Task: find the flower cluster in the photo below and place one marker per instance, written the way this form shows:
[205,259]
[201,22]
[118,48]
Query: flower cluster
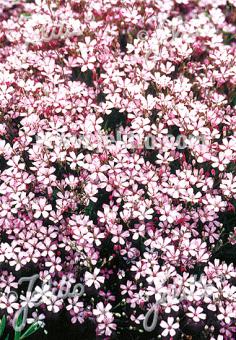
[131,224]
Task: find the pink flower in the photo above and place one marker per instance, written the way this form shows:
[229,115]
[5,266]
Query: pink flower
[169,327]
[9,303]
[196,314]
[94,279]
[107,326]
[41,208]
[222,160]
[86,60]
[102,312]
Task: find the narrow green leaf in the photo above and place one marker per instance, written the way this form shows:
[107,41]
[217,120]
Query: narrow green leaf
[17,335]
[18,323]
[31,330]
[3,325]
[7,337]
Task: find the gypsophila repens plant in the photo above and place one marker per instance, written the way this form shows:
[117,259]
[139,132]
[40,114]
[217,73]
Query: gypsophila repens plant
[148,231]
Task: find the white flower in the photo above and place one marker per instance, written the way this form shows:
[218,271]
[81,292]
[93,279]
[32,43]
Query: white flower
[102,312]
[43,294]
[196,314]
[91,279]
[169,326]
[9,303]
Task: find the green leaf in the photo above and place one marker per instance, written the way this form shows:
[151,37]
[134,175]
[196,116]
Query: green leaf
[31,330]
[89,209]
[7,337]
[27,15]
[3,325]
[18,323]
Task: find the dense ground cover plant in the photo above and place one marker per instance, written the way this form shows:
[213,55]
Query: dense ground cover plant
[138,227]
